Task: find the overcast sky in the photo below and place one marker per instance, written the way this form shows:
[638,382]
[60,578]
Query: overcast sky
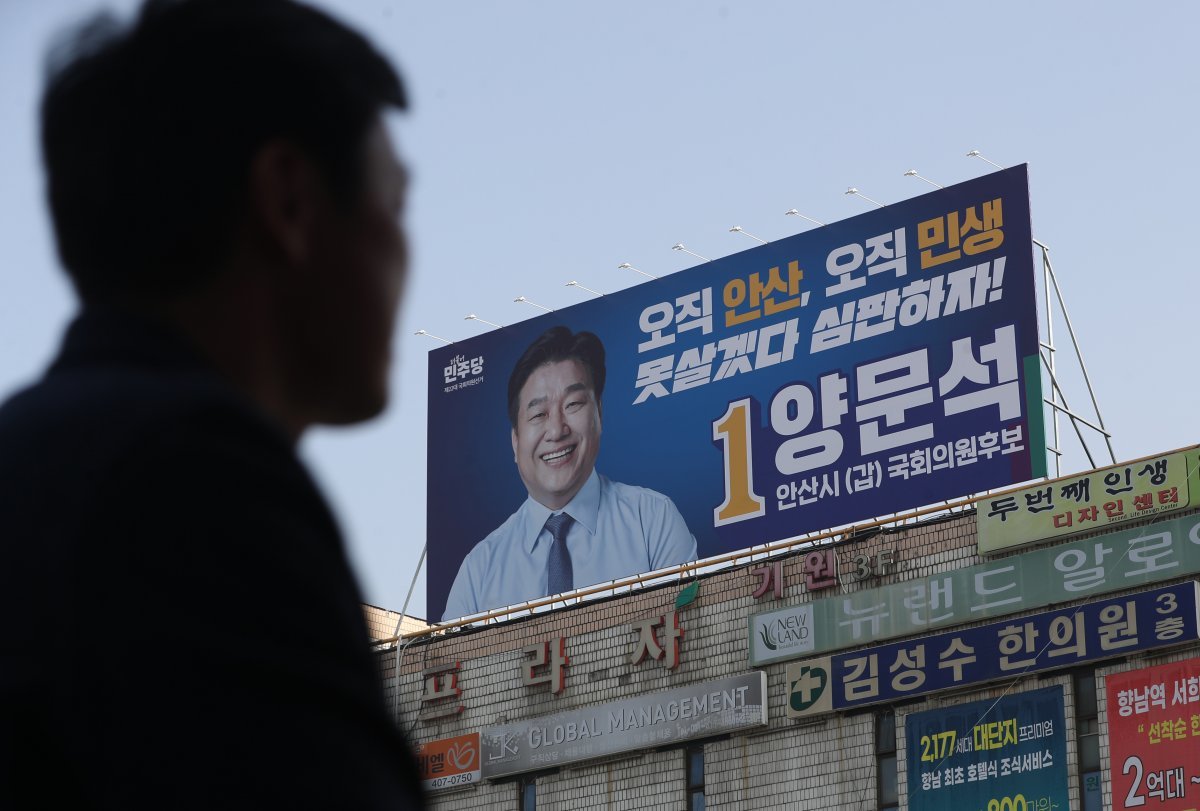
[553,141]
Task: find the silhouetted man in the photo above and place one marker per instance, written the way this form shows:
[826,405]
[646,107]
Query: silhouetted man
[179,626]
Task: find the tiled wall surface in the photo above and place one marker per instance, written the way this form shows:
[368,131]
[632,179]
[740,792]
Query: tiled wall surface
[822,764]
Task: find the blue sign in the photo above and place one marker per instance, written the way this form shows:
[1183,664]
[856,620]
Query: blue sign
[1015,647]
[1008,753]
[874,365]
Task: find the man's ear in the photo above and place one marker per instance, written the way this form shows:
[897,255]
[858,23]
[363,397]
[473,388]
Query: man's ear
[285,196]
[514,441]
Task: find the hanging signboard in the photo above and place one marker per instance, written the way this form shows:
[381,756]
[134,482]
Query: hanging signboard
[1084,503]
[657,719]
[1041,577]
[1154,736]
[449,762]
[1007,649]
[1008,753]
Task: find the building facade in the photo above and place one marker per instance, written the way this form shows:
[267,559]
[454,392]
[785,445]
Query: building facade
[892,668]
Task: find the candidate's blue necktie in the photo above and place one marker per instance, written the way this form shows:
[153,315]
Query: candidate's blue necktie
[561,575]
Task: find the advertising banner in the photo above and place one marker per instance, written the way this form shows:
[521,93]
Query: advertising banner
[1111,495]
[657,719]
[1008,753]
[1114,562]
[1007,649]
[449,762]
[1154,736]
[870,366]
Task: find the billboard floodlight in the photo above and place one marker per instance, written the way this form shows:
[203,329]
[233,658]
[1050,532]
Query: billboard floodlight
[974,153]
[627,266]
[473,317]
[791,212]
[857,193]
[913,173]
[533,304]
[574,283]
[738,229]
[678,246]
[431,335]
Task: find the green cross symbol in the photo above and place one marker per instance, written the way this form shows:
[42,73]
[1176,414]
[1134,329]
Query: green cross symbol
[808,688]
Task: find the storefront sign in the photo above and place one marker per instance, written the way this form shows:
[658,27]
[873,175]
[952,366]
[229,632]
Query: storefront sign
[1041,577]
[658,719]
[1112,495]
[449,762]
[821,571]
[1007,649]
[1008,753]
[876,364]
[1154,736]
[648,640]
[441,694]
[546,663]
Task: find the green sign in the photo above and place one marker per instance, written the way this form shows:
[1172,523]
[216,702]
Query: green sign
[1070,571]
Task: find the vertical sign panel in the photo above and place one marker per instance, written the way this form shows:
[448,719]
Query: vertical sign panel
[449,762]
[1154,736]
[1006,754]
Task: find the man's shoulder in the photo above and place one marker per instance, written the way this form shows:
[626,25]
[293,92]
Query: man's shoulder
[87,451]
[105,414]
[500,540]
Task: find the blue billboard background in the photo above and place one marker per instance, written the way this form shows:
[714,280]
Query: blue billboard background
[1009,752]
[880,363]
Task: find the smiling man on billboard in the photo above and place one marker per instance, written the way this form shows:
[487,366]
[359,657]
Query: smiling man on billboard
[577,527]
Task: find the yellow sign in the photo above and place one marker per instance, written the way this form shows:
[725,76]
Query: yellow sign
[1089,501]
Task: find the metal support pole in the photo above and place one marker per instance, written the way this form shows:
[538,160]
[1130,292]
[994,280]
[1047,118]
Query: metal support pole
[1056,392]
[1079,354]
[399,646]
[1050,363]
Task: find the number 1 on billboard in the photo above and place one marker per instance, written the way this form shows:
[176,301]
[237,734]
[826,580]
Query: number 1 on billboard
[732,430]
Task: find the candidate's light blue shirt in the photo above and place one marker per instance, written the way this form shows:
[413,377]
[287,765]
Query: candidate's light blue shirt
[619,530]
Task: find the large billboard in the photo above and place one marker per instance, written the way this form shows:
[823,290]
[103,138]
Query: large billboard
[1006,753]
[1154,736]
[870,366]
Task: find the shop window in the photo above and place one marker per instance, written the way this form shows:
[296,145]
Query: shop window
[1087,739]
[528,789]
[695,777]
[887,788]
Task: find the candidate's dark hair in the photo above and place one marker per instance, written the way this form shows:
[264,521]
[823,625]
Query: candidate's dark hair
[553,345]
[148,130]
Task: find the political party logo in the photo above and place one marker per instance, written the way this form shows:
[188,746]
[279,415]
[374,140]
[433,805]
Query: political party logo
[807,688]
[788,631]
[463,372]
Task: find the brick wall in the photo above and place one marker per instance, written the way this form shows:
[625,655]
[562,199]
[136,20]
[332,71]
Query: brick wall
[828,763]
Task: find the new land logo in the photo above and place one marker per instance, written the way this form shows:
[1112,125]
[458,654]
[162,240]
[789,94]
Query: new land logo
[784,633]
[807,688]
